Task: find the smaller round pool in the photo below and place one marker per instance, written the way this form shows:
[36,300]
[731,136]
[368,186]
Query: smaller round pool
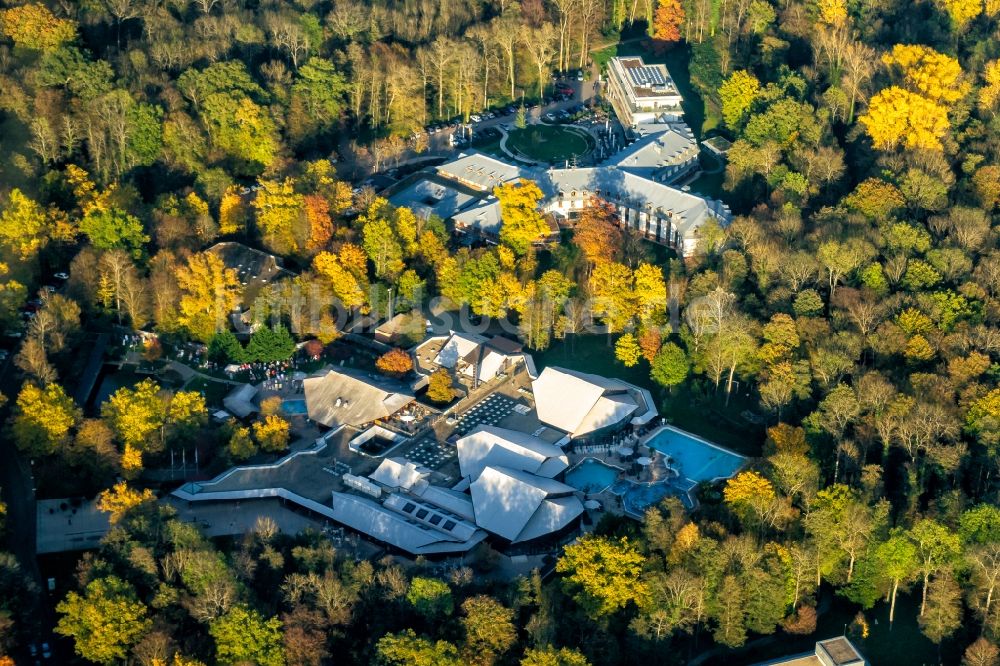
[592,476]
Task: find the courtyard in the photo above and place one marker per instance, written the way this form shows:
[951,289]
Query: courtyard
[550,143]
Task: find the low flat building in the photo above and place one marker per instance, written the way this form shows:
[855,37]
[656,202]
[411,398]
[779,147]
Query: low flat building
[641,92]
[240,400]
[837,651]
[584,405]
[475,357]
[337,398]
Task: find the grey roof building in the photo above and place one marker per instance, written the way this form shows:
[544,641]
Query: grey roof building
[336,398]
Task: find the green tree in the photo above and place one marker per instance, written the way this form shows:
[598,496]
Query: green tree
[270,344]
[937,548]
[408,649]
[431,598]
[242,635]
[670,366]
[223,347]
[489,629]
[897,559]
[317,99]
[105,621]
[114,228]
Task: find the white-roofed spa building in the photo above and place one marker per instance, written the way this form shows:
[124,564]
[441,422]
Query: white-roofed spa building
[586,406]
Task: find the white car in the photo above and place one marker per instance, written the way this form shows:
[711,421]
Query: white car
[61,276]
[475,117]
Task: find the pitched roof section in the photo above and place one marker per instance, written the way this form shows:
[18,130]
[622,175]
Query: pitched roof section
[492,446]
[399,473]
[481,171]
[520,506]
[579,403]
[338,398]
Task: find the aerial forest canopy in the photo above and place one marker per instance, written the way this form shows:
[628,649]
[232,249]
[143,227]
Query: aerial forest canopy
[841,329]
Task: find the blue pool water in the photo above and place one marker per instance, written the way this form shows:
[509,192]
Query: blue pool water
[294,406]
[694,459]
[591,476]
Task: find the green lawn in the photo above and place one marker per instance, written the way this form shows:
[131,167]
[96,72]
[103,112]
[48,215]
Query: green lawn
[549,143]
[691,406]
[214,392]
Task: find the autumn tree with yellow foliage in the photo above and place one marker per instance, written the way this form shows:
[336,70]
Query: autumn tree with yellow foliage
[522,223]
[896,116]
[934,75]
[121,499]
[209,292]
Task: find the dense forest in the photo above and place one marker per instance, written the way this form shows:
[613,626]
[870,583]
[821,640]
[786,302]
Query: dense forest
[855,298]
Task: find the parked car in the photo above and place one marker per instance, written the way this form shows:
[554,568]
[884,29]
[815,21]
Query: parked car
[3,355]
[61,276]
[46,651]
[475,117]
[579,75]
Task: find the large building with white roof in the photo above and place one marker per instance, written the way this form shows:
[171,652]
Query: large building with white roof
[491,446]
[583,405]
[641,92]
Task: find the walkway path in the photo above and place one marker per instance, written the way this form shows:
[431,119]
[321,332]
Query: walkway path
[188,373]
[93,369]
[504,135]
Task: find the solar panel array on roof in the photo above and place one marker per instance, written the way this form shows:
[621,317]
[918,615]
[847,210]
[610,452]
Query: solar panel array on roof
[646,76]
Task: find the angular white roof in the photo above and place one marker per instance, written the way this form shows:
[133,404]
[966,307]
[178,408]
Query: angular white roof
[579,403]
[399,473]
[492,446]
[520,506]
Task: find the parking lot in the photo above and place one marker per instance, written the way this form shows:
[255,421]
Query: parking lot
[569,92]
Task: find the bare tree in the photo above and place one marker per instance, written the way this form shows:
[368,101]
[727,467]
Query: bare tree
[540,43]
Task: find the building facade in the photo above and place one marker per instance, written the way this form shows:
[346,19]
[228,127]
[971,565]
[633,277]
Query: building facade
[642,93]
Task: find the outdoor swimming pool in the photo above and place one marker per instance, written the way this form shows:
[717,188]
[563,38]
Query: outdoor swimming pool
[592,476]
[695,459]
[294,406]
